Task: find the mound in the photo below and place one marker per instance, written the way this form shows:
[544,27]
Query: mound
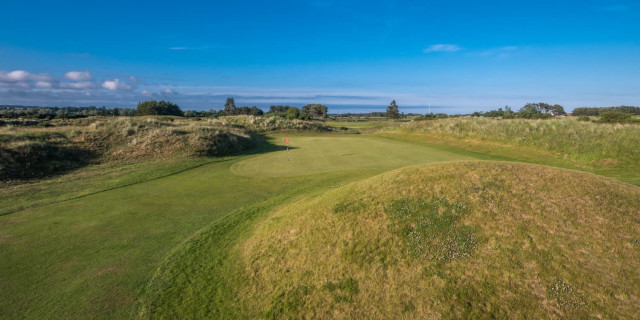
[449,240]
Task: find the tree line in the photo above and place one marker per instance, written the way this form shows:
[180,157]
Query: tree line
[309,111]
[48,113]
[594,112]
[540,110]
[154,107]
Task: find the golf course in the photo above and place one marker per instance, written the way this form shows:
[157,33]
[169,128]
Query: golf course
[390,223]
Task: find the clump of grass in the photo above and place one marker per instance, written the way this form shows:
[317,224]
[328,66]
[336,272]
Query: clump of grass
[287,303]
[431,228]
[349,206]
[343,291]
[567,297]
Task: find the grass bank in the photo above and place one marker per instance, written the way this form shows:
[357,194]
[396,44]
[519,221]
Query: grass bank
[32,152]
[91,257]
[608,149]
[455,240]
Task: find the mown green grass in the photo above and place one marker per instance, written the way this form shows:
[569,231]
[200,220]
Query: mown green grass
[90,257]
[547,243]
[90,180]
[360,125]
[308,155]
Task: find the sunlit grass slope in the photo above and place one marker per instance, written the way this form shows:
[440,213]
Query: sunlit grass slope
[451,240]
[607,149]
[90,257]
[320,154]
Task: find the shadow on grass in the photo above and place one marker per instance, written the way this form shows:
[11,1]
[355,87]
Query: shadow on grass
[37,160]
[263,145]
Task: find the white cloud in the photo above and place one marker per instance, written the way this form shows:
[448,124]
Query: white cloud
[168,91]
[78,75]
[146,93]
[178,48]
[41,77]
[44,84]
[83,85]
[22,76]
[442,48]
[116,84]
[14,76]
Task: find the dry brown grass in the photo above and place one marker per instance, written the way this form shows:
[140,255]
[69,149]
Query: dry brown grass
[34,152]
[551,243]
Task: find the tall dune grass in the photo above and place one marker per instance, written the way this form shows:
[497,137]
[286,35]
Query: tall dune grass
[585,140]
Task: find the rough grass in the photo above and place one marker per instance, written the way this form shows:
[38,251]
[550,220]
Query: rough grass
[270,124]
[607,149]
[566,136]
[547,243]
[36,152]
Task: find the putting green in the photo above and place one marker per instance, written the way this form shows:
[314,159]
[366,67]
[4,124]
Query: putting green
[312,155]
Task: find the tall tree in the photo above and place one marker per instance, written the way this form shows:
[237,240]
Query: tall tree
[314,110]
[392,111]
[230,106]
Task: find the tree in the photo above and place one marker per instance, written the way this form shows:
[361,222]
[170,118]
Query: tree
[508,113]
[153,107]
[314,110]
[230,107]
[541,110]
[392,110]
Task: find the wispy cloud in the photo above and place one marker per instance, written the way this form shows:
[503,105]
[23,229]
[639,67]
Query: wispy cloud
[78,75]
[116,84]
[442,47]
[168,92]
[22,76]
[501,52]
[197,48]
[83,85]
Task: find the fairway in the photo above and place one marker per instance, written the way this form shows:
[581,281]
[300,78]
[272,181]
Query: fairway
[313,155]
[90,257]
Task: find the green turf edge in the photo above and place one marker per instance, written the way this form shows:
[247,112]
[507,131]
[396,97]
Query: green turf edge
[219,238]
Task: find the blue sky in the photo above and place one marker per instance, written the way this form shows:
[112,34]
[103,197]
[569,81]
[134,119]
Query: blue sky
[461,56]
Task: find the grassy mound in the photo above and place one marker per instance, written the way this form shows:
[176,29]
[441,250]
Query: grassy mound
[37,151]
[452,240]
[270,124]
[582,140]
